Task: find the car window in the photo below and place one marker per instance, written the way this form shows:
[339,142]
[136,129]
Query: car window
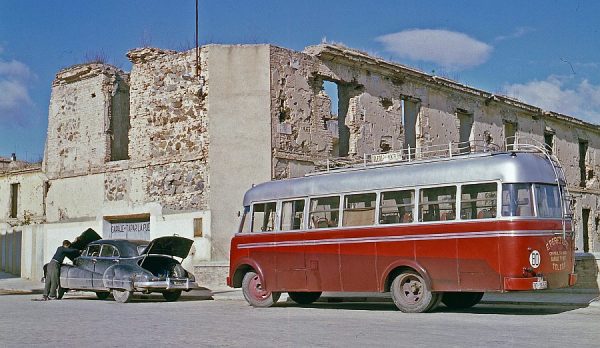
[93,250]
[109,251]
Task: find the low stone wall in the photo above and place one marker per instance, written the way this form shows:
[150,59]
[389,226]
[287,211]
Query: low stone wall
[586,267]
[212,274]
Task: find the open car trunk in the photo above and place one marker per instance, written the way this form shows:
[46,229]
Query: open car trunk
[163,266]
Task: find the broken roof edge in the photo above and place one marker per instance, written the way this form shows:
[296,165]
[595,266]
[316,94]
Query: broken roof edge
[84,71]
[326,51]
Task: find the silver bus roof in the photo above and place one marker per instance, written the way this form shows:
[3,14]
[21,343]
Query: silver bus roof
[507,167]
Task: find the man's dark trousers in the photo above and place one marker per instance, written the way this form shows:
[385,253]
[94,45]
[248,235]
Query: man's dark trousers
[52,279]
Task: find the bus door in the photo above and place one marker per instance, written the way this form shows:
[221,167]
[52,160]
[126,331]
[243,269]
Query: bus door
[322,245]
[290,270]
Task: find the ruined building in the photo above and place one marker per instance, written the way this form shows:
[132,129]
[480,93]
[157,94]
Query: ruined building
[171,147]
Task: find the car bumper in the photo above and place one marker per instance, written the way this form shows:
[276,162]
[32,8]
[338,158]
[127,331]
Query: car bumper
[167,284]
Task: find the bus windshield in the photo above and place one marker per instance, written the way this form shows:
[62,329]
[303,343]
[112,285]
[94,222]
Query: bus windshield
[547,200]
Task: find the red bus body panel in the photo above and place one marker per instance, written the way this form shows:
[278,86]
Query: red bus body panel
[491,255]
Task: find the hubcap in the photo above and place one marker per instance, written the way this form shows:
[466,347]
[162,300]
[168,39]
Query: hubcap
[256,288]
[412,290]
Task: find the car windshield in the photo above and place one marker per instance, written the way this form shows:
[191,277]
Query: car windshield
[140,248]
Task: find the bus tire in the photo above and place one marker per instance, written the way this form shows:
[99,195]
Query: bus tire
[411,293]
[461,300]
[254,292]
[304,298]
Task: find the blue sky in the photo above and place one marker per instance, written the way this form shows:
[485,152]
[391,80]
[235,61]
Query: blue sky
[546,53]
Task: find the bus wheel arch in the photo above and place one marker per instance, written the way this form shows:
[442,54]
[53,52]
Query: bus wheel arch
[395,269]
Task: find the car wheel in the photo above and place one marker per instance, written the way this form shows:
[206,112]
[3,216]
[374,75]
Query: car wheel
[254,292]
[411,294]
[461,300]
[102,295]
[122,296]
[304,298]
[171,296]
[60,292]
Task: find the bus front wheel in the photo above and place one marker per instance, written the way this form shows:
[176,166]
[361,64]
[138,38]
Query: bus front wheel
[411,293]
[304,298]
[254,292]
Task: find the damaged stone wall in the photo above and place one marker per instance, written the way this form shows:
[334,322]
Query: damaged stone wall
[169,126]
[79,119]
[306,132]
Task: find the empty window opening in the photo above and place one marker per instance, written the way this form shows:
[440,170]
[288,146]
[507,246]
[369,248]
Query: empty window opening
[410,111]
[465,121]
[583,147]
[45,196]
[585,219]
[198,232]
[14,200]
[510,132]
[549,141]
[119,121]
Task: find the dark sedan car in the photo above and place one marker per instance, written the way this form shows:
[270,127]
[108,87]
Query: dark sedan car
[125,266]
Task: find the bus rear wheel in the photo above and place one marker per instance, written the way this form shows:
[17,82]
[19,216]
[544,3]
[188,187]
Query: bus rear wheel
[461,300]
[304,298]
[411,293]
[254,292]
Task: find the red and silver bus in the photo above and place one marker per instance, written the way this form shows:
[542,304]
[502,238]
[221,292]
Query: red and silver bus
[424,229]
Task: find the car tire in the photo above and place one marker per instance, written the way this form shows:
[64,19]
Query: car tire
[304,298]
[255,294]
[172,296]
[122,296]
[60,292]
[411,293]
[102,295]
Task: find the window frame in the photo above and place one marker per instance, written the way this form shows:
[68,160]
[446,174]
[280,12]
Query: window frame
[309,212]
[343,207]
[303,222]
[275,221]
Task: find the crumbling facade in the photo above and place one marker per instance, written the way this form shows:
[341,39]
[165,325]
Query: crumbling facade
[173,146]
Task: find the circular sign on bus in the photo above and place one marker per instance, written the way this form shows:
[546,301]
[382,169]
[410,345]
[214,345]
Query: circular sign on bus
[535,258]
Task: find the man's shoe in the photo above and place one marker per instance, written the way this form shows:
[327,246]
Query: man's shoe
[51,298]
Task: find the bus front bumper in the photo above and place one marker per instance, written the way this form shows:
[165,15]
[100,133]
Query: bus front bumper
[529,283]
[532,283]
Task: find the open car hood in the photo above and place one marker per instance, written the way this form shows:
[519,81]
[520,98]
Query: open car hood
[171,245]
[85,238]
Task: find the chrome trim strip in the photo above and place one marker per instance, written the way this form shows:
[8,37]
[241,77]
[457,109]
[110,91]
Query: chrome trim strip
[413,237]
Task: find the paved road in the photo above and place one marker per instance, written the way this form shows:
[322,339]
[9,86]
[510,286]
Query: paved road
[85,321]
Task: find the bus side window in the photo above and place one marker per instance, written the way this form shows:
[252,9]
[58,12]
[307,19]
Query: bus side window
[359,209]
[263,217]
[324,212]
[478,201]
[397,207]
[292,215]
[437,204]
[516,200]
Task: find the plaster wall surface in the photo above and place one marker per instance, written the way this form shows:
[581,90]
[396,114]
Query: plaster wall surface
[240,127]
[30,197]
